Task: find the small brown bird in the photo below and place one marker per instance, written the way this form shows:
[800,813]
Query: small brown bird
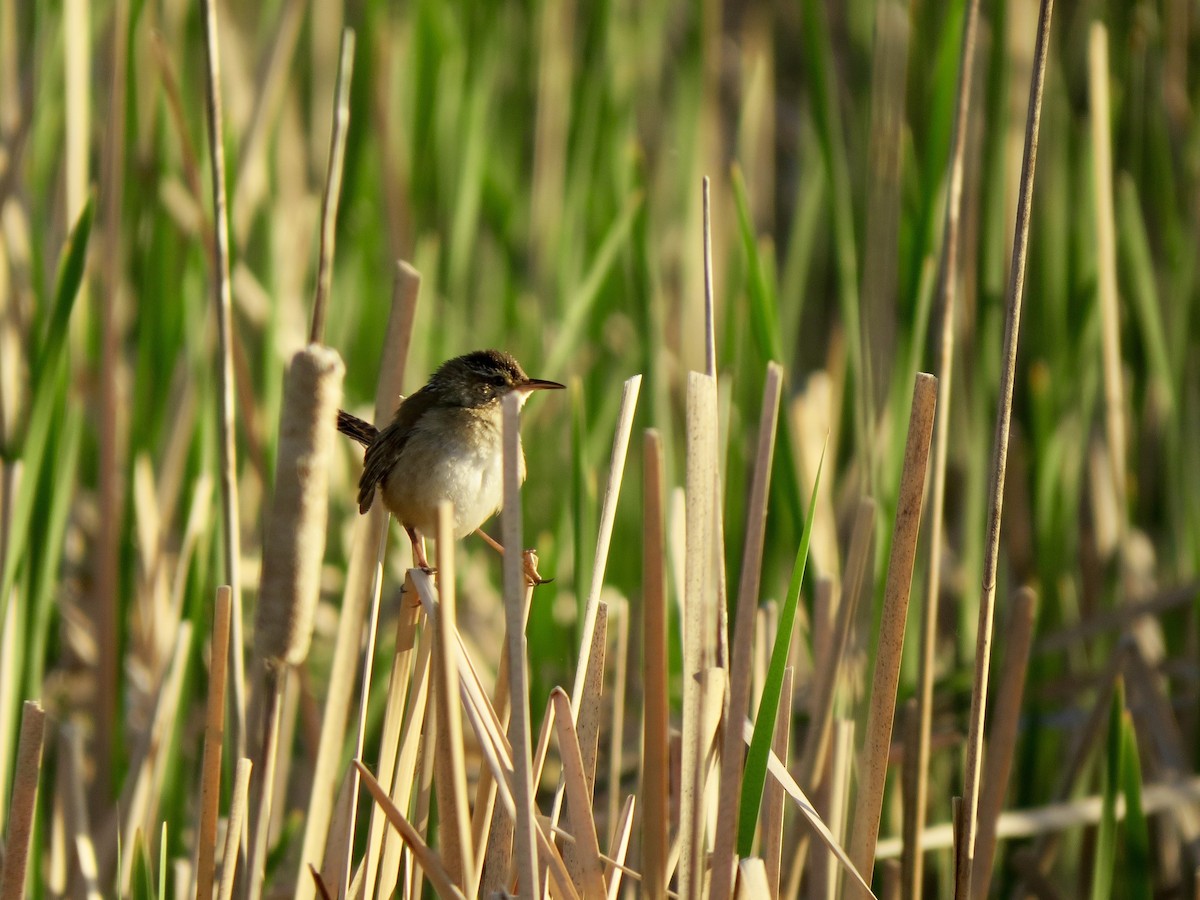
[443,444]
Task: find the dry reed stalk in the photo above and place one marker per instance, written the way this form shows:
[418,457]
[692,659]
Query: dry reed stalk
[752,882]
[214,735]
[616,751]
[732,755]
[27,770]
[816,741]
[710,324]
[592,704]
[454,830]
[907,529]
[622,832]
[333,184]
[910,722]
[780,773]
[608,512]
[1106,263]
[77,65]
[223,301]
[405,774]
[915,823]
[389,742]
[358,590]
[1054,818]
[431,863]
[699,619]
[1003,739]
[1012,325]
[424,779]
[773,794]
[113,418]
[72,762]
[584,863]
[655,774]
[238,805]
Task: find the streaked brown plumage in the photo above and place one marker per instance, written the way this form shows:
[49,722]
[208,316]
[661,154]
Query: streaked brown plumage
[444,443]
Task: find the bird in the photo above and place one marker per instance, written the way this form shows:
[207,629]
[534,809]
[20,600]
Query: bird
[444,443]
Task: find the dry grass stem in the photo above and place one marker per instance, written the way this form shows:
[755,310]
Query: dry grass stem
[364,558]
[915,823]
[223,300]
[752,880]
[214,735]
[773,793]
[780,773]
[584,864]
[741,666]
[877,741]
[655,774]
[616,754]
[450,770]
[430,862]
[238,805]
[699,618]
[333,185]
[710,318]
[1002,739]
[622,832]
[1106,263]
[28,769]
[1012,326]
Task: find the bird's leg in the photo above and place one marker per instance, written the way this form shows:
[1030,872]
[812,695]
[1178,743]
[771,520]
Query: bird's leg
[418,545]
[529,557]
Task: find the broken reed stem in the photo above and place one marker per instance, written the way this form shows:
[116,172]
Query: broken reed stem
[214,735]
[1002,740]
[333,185]
[655,747]
[587,873]
[274,684]
[710,323]
[223,300]
[907,528]
[773,795]
[1012,326]
[700,619]
[26,772]
[732,754]
[915,823]
[233,831]
[520,730]
[454,830]
[364,557]
[1106,263]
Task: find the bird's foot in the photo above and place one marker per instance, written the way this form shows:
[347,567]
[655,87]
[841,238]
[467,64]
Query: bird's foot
[532,576]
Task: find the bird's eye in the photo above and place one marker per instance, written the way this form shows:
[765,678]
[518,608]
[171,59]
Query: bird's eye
[498,380]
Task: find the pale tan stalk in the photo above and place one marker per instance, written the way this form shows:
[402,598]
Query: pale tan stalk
[877,741]
[724,857]
[223,300]
[333,184]
[616,752]
[515,614]
[214,736]
[389,743]
[439,876]
[622,832]
[454,830]
[773,794]
[991,560]
[655,774]
[752,880]
[1106,264]
[587,872]
[238,805]
[914,821]
[358,590]
[1002,740]
[19,841]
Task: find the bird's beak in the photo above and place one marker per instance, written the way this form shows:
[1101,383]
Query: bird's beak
[539,384]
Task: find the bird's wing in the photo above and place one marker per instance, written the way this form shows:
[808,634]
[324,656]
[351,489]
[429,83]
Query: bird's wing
[384,452]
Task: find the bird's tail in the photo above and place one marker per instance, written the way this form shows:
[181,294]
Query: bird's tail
[354,427]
